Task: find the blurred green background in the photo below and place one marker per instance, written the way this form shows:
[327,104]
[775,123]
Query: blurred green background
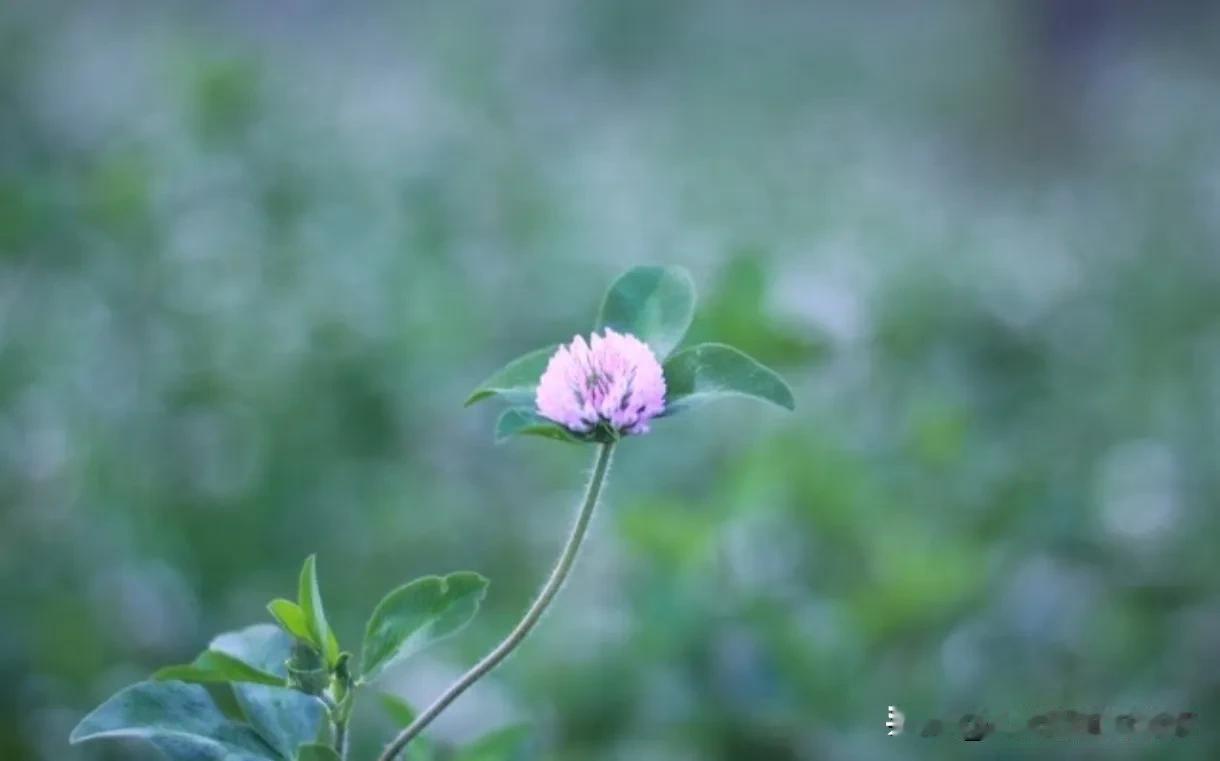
[254,255]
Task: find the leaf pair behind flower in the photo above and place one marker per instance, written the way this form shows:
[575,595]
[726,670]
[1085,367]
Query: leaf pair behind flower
[656,305]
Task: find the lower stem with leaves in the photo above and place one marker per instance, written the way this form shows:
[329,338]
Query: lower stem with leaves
[342,735]
[341,707]
[341,740]
[553,584]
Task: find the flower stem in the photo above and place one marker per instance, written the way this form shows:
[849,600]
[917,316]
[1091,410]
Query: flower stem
[522,630]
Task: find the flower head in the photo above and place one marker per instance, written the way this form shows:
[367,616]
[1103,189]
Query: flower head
[612,380]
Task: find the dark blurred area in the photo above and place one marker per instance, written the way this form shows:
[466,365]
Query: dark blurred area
[253,256]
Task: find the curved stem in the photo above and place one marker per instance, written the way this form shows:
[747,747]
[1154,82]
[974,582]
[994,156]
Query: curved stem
[519,633]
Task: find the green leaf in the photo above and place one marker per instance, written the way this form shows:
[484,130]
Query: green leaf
[654,304]
[254,654]
[284,718]
[225,700]
[712,371]
[310,600]
[517,380]
[417,614]
[508,744]
[211,666]
[291,618]
[315,752]
[181,720]
[523,421]
[343,669]
[262,646]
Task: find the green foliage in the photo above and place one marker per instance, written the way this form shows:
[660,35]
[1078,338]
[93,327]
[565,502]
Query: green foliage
[654,304]
[307,670]
[708,372]
[290,616]
[268,691]
[212,666]
[254,654]
[524,421]
[310,602]
[181,720]
[262,646]
[417,614]
[284,718]
[516,381]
